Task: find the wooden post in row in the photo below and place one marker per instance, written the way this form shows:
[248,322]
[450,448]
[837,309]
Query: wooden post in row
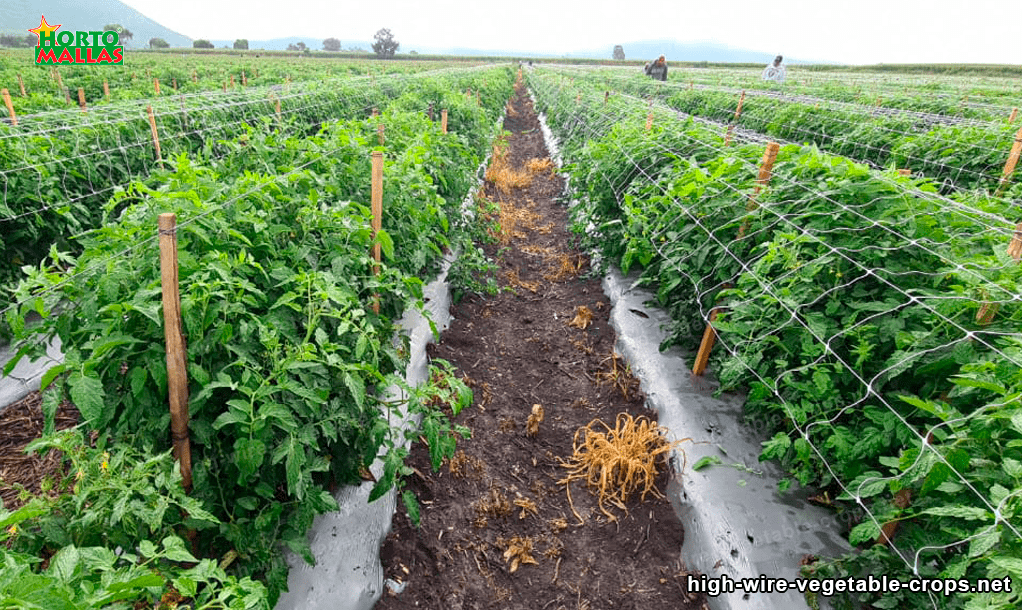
[649,117]
[244,79]
[766,167]
[81,99]
[606,97]
[10,106]
[376,203]
[156,86]
[60,81]
[21,85]
[106,89]
[232,81]
[443,121]
[195,76]
[156,134]
[1011,119]
[177,381]
[379,133]
[1009,166]
[738,114]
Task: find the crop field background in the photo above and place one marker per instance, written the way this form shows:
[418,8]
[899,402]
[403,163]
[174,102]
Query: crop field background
[861,280]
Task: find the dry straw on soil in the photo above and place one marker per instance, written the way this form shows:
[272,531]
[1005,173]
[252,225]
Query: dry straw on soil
[617,462]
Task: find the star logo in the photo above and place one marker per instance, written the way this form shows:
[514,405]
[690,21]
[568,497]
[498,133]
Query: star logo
[44,27]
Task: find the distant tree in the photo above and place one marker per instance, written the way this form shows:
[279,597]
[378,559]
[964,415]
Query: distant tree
[202,44]
[241,43]
[158,43]
[385,45]
[619,52]
[332,44]
[123,32]
[17,40]
[297,47]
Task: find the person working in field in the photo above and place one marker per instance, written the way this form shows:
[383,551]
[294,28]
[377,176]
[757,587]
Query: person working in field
[775,72]
[658,69]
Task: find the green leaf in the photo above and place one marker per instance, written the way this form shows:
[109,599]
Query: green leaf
[50,375]
[64,564]
[412,506]
[386,243]
[962,512]
[147,549]
[248,456]
[984,541]
[88,395]
[867,531]
[174,549]
[707,460]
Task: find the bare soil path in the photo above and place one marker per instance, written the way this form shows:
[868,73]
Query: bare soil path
[497,529]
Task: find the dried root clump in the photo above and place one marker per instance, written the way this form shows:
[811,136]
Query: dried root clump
[518,551]
[493,504]
[539,166]
[583,317]
[532,423]
[617,462]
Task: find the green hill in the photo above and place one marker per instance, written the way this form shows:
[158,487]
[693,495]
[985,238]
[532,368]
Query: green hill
[18,16]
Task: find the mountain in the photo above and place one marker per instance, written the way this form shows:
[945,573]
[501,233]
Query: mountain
[17,16]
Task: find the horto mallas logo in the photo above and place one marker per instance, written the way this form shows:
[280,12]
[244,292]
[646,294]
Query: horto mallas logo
[67,47]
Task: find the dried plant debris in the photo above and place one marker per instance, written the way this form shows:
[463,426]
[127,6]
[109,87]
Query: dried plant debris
[492,505]
[617,462]
[517,551]
[463,465]
[527,506]
[539,166]
[620,376]
[532,423]
[583,317]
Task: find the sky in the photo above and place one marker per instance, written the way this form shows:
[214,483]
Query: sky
[860,32]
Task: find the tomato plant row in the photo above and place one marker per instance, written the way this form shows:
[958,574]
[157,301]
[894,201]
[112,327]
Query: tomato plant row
[871,321]
[286,359]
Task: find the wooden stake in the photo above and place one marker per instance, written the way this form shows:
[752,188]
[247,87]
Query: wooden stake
[10,106]
[156,86]
[81,99]
[232,81]
[21,85]
[173,83]
[606,97]
[741,101]
[766,167]
[376,202]
[195,76]
[177,380]
[106,89]
[1015,246]
[443,121]
[649,120]
[904,172]
[379,133]
[244,79]
[429,112]
[1009,166]
[60,81]
[156,134]
[1011,119]
[709,338]
[727,136]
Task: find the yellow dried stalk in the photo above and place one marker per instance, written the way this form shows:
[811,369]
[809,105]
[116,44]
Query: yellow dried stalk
[620,376]
[532,423]
[617,462]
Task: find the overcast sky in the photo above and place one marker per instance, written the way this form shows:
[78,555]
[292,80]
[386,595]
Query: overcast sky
[863,31]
